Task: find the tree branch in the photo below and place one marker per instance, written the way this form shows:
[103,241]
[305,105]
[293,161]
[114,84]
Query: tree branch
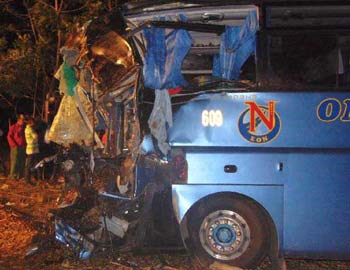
[13,13]
[46,4]
[31,22]
[7,100]
[60,8]
[77,9]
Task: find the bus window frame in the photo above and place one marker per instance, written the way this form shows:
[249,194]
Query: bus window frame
[262,59]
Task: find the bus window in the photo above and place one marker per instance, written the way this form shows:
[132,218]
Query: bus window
[304,47]
[305,60]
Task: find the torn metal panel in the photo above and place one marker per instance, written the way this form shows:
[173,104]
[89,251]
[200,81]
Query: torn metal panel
[85,75]
[115,49]
[115,225]
[69,236]
[127,82]
[111,218]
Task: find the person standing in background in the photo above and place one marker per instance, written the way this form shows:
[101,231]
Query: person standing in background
[32,149]
[17,142]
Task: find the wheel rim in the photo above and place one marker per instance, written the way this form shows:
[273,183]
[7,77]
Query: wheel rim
[224,235]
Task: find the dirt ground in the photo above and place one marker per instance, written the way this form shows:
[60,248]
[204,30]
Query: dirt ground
[24,216]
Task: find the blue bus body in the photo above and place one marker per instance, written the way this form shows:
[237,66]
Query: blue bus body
[256,163]
[300,175]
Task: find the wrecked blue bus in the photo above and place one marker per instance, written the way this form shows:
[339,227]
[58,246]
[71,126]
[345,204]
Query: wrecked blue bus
[231,137]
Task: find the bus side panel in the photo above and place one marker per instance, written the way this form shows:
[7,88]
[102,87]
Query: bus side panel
[317,205]
[269,197]
[249,166]
[316,201]
[301,120]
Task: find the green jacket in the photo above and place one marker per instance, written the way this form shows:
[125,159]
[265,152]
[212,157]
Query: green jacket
[32,140]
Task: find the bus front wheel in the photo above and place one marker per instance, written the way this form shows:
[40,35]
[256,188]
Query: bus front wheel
[228,230]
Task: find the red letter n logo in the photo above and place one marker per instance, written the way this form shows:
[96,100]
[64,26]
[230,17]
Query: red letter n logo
[268,119]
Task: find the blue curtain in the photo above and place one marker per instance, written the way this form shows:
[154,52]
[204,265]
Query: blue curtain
[164,55]
[237,44]
[166,50]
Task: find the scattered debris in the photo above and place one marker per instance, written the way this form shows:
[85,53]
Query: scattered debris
[222,266]
[17,231]
[4,186]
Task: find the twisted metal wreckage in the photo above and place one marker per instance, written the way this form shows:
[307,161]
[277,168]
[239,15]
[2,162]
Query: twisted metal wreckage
[256,144]
[100,81]
[121,182]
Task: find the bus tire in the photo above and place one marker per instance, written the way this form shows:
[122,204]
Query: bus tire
[228,230]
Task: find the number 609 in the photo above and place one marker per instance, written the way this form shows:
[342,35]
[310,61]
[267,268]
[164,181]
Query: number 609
[212,118]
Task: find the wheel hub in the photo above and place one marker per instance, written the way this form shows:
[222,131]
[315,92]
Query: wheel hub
[224,234]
